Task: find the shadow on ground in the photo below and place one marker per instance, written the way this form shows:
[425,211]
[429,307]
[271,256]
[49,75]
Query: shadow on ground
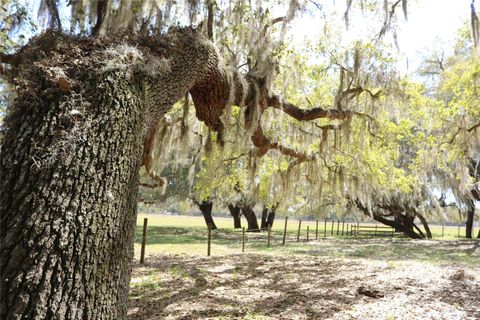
[258,286]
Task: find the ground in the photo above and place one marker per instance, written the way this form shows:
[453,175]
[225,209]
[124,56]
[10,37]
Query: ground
[324,279]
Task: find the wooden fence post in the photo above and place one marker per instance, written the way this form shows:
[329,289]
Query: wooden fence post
[376,230]
[338,228]
[325,229]
[144,240]
[316,231]
[458,233]
[298,233]
[308,231]
[209,239]
[343,227]
[285,231]
[269,234]
[243,239]
[357,229]
[331,230]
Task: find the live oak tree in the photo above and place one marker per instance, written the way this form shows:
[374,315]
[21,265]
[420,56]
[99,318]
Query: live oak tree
[76,135]
[72,151]
[87,113]
[449,157]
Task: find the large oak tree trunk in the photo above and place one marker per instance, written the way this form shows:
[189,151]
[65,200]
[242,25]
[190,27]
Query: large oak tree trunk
[69,193]
[235,212]
[470,218]
[69,166]
[425,225]
[400,222]
[270,218]
[399,225]
[263,223]
[206,209]
[249,215]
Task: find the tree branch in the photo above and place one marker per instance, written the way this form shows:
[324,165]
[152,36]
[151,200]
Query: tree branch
[150,186]
[210,19]
[52,7]
[264,144]
[473,127]
[102,8]
[8,58]
[388,19]
[306,114]
[271,23]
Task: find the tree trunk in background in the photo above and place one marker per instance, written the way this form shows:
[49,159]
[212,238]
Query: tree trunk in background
[270,218]
[263,221]
[425,225]
[235,212]
[206,209]
[249,215]
[470,217]
[68,206]
[403,221]
[400,225]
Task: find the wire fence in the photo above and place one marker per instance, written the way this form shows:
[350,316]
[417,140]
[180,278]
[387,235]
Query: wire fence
[305,231]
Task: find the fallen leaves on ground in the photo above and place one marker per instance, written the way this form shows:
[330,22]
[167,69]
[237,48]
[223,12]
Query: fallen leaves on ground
[261,286]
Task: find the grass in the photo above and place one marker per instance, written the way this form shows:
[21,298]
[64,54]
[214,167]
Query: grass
[188,235]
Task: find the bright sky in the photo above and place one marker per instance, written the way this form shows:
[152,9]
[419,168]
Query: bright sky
[431,23]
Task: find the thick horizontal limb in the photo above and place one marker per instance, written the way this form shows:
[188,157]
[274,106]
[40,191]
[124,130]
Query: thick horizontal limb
[307,114]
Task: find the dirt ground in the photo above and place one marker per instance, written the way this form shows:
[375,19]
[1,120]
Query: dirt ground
[304,286]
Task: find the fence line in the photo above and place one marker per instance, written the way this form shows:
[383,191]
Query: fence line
[352,230]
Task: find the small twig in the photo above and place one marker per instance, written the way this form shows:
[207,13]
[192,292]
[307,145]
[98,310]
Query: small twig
[473,127]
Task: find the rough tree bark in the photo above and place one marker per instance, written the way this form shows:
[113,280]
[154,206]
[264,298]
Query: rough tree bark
[249,215]
[235,212]
[72,150]
[206,209]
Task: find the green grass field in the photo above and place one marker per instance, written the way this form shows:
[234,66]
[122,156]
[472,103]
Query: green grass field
[188,235]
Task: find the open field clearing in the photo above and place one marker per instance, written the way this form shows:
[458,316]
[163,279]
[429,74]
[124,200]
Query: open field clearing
[332,278]
[184,234]
[260,286]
